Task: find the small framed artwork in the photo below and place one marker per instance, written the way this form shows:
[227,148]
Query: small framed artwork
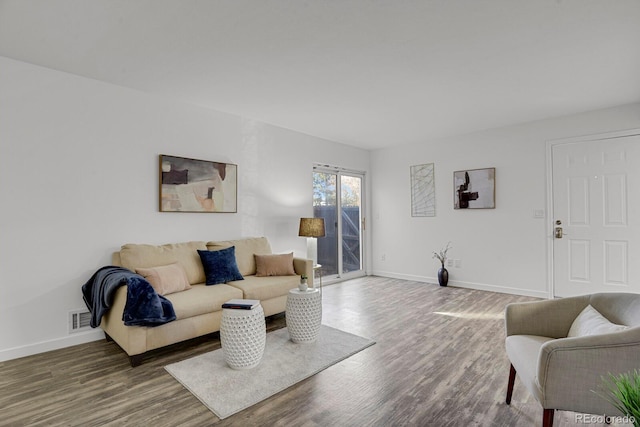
[190,185]
[423,192]
[474,189]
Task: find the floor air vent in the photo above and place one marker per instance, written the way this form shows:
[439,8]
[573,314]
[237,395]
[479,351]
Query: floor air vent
[79,320]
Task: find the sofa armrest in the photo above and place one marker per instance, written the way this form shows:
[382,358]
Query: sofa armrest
[548,318]
[571,370]
[132,339]
[304,266]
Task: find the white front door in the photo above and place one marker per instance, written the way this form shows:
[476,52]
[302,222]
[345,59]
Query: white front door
[596,216]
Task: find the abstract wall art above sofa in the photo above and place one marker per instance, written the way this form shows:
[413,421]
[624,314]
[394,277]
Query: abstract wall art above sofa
[190,185]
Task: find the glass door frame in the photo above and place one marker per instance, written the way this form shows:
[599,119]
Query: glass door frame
[339,173]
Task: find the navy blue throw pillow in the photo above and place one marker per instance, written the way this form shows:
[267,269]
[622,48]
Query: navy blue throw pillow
[220,266]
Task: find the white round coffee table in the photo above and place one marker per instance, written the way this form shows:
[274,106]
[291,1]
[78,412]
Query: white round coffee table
[304,315]
[243,335]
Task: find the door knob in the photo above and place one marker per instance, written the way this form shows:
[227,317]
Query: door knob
[559,233]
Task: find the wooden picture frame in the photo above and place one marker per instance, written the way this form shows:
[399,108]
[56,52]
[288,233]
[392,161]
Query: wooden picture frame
[192,185]
[474,189]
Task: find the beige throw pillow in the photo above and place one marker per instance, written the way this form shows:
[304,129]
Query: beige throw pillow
[166,279]
[275,265]
[591,322]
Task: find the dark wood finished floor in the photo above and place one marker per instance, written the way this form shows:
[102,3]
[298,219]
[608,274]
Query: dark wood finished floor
[439,361]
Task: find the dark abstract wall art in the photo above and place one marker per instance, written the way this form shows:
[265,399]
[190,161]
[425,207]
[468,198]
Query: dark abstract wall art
[474,189]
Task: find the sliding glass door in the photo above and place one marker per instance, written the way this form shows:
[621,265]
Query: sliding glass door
[337,197]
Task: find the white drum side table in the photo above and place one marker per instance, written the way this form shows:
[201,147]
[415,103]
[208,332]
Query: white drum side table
[243,335]
[304,315]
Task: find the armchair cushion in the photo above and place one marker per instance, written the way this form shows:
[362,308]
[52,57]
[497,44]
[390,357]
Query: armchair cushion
[591,322]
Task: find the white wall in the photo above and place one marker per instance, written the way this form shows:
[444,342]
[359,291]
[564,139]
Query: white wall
[502,249]
[79,178]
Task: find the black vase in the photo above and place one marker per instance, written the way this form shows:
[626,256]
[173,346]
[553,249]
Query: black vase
[443,276]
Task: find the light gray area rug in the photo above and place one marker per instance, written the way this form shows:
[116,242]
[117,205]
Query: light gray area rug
[226,391]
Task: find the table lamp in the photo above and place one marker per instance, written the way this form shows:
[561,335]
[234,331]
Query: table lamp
[312,228]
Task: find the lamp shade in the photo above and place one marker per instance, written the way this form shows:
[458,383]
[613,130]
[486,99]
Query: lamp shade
[311,227]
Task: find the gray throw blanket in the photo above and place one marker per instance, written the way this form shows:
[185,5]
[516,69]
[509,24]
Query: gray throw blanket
[144,306]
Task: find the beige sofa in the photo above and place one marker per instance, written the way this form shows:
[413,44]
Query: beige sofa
[198,309]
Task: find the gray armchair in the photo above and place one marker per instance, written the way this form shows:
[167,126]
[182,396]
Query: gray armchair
[562,373]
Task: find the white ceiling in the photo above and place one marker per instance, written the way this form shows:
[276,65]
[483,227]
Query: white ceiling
[369,73]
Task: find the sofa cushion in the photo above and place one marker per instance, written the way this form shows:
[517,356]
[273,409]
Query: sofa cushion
[202,299]
[245,251]
[275,265]
[166,279]
[134,256]
[220,266]
[591,322]
[264,288]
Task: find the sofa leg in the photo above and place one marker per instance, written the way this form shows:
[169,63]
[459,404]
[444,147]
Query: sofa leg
[547,417]
[107,337]
[135,360]
[512,379]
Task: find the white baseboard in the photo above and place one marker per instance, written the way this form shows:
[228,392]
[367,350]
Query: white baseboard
[55,344]
[467,285]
